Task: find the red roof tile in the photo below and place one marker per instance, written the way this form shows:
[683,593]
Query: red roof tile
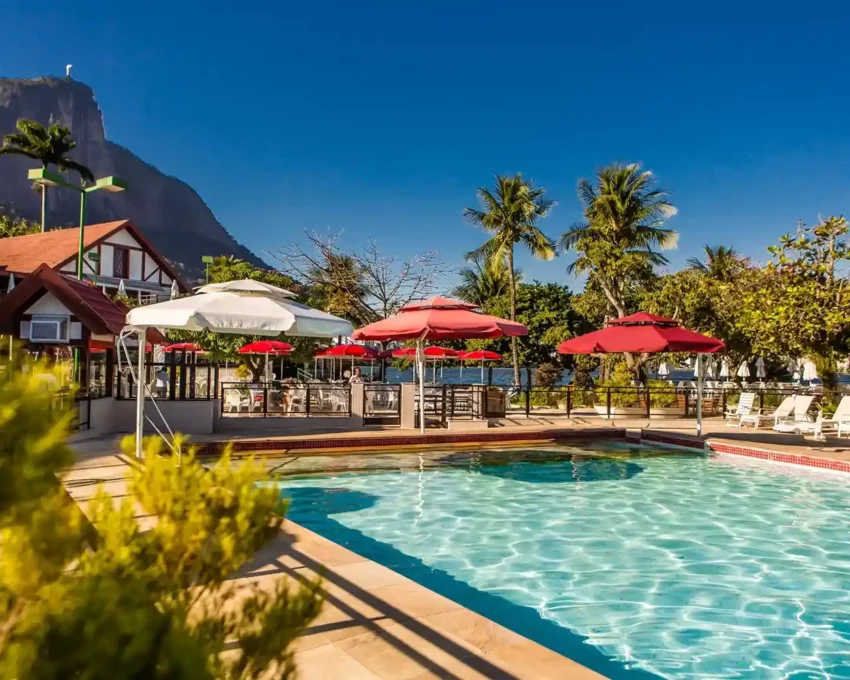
[23,254]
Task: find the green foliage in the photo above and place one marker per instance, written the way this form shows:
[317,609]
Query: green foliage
[17,226]
[721,263]
[547,375]
[546,309]
[48,145]
[624,215]
[134,601]
[799,304]
[621,376]
[483,281]
[510,215]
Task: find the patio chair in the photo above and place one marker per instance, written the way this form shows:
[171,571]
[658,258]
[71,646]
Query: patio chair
[783,411]
[801,421]
[839,421]
[296,399]
[235,400]
[743,409]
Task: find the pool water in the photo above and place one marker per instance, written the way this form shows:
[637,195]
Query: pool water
[635,562]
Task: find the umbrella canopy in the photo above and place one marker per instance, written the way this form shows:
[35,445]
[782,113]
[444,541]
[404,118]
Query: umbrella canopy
[724,369]
[183,347]
[348,350]
[275,347]
[810,372]
[641,333]
[664,369]
[437,318]
[10,286]
[761,371]
[743,370]
[245,306]
[480,355]
[175,290]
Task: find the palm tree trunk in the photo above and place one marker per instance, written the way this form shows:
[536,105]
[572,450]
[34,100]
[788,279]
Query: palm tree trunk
[514,345]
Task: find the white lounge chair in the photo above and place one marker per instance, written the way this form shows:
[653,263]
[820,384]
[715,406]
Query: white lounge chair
[744,409]
[235,400]
[840,421]
[801,420]
[783,411]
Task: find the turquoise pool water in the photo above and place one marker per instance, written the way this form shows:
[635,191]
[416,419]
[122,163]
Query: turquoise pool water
[636,564]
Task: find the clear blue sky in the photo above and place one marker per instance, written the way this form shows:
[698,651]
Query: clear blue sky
[382,118]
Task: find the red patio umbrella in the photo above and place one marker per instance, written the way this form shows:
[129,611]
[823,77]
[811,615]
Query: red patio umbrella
[347,350]
[644,333]
[481,355]
[267,347]
[437,318]
[183,347]
[433,353]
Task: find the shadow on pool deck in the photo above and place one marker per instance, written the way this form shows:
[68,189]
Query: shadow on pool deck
[313,506]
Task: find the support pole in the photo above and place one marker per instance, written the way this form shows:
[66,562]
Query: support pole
[140,396]
[699,394]
[420,359]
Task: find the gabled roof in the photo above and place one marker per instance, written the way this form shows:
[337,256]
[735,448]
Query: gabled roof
[84,300]
[23,254]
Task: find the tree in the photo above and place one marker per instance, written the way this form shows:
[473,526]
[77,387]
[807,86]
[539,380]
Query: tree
[799,304]
[133,601]
[484,280]
[363,285]
[510,214]
[624,213]
[49,146]
[546,309]
[721,263]
[16,226]
[225,346]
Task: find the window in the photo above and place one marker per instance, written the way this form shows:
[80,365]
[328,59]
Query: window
[45,328]
[120,263]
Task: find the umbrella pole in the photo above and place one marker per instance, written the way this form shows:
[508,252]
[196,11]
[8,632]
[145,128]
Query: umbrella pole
[482,371]
[699,395]
[420,359]
[140,395]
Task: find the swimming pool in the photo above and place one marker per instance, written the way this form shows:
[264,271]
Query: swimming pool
[636,562]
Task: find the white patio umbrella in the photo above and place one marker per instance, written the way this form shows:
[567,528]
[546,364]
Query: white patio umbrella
[664,369]
[761,371]
[743,370]
[810,372]
[122,289]
[11,285]
[724,369]
[243,307]
[793,366]
[175,290]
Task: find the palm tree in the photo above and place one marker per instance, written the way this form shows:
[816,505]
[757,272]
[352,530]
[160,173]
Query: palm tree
[50,146]
[484,280]
[511,214]
[624,212]
[720,262]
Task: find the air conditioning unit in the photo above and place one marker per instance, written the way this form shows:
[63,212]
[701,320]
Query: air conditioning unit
[49,329]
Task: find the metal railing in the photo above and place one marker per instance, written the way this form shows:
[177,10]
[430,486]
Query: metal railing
[267,399]
[381,404]
[175,382]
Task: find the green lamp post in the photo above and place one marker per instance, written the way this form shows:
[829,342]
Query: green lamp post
[46,178]
[207,260]
[94,258]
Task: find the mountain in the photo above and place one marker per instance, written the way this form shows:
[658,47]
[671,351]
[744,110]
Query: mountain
[170,212]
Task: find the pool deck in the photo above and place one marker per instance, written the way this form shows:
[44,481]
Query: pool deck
[377,624]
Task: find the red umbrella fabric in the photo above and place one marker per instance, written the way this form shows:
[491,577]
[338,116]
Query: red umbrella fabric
[641,333]
[431,352]
[266,347]
[439,318]
[183,346]
[480,355]
[348,351]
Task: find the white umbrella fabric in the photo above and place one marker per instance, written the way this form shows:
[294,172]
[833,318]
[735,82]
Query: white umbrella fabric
[245,307]
[664,369]
[122,289]
[743,370]
[793,366]
[810,372]
[11,285]
[724,368]
[761,371]
[175,290]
